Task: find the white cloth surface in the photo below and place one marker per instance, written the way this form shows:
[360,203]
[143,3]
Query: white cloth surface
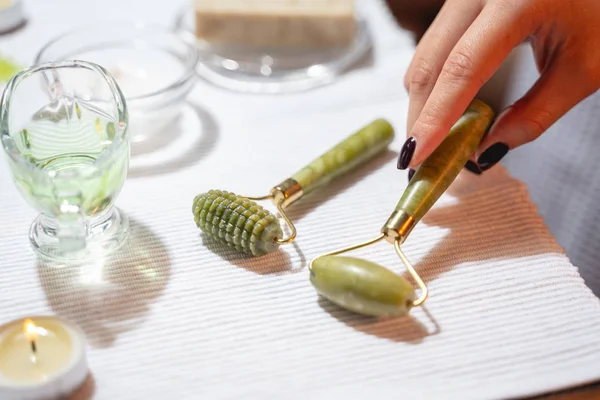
[176,316]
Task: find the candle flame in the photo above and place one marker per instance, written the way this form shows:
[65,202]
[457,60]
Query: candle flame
[30,330]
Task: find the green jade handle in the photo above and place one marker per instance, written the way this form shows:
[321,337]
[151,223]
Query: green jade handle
[348,154]
[439,170]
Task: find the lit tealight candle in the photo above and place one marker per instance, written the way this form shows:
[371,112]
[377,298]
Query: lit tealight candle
[41,358]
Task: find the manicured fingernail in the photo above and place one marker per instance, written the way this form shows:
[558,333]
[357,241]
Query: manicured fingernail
[471,166]
[411,172]
[406,154]
[492,155]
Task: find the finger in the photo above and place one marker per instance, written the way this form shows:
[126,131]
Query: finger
[551,97]
[447,28]
[477,55]
[452,15]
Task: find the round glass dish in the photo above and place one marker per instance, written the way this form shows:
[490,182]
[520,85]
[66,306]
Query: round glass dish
[153,66]
[275,70]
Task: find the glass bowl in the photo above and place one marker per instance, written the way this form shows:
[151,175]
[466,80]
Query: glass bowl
[252,69]
[154,67]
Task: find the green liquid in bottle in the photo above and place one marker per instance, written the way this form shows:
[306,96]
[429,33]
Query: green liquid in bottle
[63,142]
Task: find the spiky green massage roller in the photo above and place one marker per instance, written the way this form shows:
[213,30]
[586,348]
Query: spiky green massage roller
[371,289]
[244,225]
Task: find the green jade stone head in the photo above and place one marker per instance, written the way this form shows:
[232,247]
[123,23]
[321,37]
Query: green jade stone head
[362,286]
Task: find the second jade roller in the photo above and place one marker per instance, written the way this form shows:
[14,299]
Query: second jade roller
[244,225]
[368,288]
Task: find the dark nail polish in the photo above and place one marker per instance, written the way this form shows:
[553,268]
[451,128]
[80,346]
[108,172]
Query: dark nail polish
[408,149]
[411,172]
[474,168]
[492,155]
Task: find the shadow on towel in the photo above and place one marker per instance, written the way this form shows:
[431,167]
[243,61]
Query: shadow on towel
[106,297]
[85,391]
[275,263]
[197,144]
[471,241]
[400,329]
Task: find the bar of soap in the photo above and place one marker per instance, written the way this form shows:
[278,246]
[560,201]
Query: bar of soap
[276,23]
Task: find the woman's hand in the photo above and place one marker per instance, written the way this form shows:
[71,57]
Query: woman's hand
[467,43]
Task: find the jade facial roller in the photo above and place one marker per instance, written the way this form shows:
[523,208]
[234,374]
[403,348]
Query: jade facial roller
[244,225]
[368,288]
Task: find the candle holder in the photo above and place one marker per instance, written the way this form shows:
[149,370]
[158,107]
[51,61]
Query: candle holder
[43,357]
[63,126]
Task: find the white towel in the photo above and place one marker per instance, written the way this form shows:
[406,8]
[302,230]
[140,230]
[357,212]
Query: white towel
[175,316]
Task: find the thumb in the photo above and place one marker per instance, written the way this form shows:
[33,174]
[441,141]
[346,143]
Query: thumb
[551,97]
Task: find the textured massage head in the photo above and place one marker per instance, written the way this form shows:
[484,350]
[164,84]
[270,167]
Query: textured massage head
[238,222]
